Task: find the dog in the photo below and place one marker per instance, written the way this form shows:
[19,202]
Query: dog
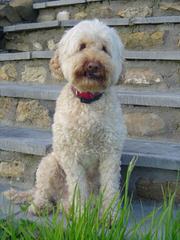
[88,128]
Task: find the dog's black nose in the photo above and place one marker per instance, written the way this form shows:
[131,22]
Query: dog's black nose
[93,67]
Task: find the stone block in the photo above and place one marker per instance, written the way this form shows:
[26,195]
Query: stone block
[80,15]
[34,74]
[131,12]
[51,44]
[9,13]
[100,11]
[8,72]
[46,15]
[142,77]
[19,168]
[143,39]
[7,108]
[33,113]
[170,6]
[37,46]
[24,9]
[144,124]
[154,189]
[11,169]
[63,15]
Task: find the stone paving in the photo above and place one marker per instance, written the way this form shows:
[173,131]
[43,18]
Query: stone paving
[140,209]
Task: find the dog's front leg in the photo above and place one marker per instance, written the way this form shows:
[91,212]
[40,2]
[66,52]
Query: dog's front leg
[109,177]
[76,180]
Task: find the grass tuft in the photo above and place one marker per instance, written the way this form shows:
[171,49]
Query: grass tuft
[90,222]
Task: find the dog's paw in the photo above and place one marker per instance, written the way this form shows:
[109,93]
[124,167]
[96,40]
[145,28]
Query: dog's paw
[40,210]
[32,210]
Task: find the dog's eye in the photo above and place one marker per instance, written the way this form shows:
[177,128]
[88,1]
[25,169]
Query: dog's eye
[82,46]
[105,49]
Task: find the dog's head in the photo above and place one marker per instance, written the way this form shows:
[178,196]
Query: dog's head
[90,56]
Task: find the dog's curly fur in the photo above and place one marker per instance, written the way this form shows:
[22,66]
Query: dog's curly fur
[87,138]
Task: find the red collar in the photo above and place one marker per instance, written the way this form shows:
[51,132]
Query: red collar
[86,97]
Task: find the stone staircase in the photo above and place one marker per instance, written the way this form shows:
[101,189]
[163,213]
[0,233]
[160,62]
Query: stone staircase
[150,93]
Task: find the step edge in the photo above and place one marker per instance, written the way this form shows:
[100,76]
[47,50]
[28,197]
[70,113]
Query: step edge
[171,55]
[108,21]
[59,3]
[17,145]
[126,97]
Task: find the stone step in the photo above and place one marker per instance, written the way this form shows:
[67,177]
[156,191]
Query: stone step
[163,155]
[127,97]
[150,114]
[81,9]
[139,210]
[129,55]
[56,3]
[152,70]
[110,22]
[160,33]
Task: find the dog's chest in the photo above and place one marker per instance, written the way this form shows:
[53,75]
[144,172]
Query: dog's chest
[82,128]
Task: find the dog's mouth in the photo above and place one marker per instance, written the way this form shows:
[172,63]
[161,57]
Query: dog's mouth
[94,76]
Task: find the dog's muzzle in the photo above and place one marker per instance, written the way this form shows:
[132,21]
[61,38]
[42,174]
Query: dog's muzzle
[94,70]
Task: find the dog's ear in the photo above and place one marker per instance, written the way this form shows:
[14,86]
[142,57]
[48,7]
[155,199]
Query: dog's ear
[122,75]
[55,67]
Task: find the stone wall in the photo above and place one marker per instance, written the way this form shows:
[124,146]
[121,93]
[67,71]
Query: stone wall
[136,37]
[149,74]
[152,122]
[26,112]
[26,71]
[108,9]
[17,11]
[17,168]
[155,122]
[149,183]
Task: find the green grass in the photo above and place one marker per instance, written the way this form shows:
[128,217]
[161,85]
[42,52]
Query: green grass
[92,223]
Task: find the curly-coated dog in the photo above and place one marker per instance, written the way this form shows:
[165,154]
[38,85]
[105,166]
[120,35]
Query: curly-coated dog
[88,129]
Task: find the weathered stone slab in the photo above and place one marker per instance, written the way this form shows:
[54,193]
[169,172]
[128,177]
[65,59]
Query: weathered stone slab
[155,20]
[153,55]
[42,92]
[69,23]
[141,55]
[147,98]
[110,22]
[31,26]
[23,140]
[41,54]
[14,56]
[163,155]
[129,97]
[60,3]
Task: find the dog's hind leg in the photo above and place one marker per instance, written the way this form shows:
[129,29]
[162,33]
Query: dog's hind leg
[50,185]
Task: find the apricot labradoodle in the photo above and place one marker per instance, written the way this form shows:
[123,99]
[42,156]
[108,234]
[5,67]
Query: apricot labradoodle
[88,129]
